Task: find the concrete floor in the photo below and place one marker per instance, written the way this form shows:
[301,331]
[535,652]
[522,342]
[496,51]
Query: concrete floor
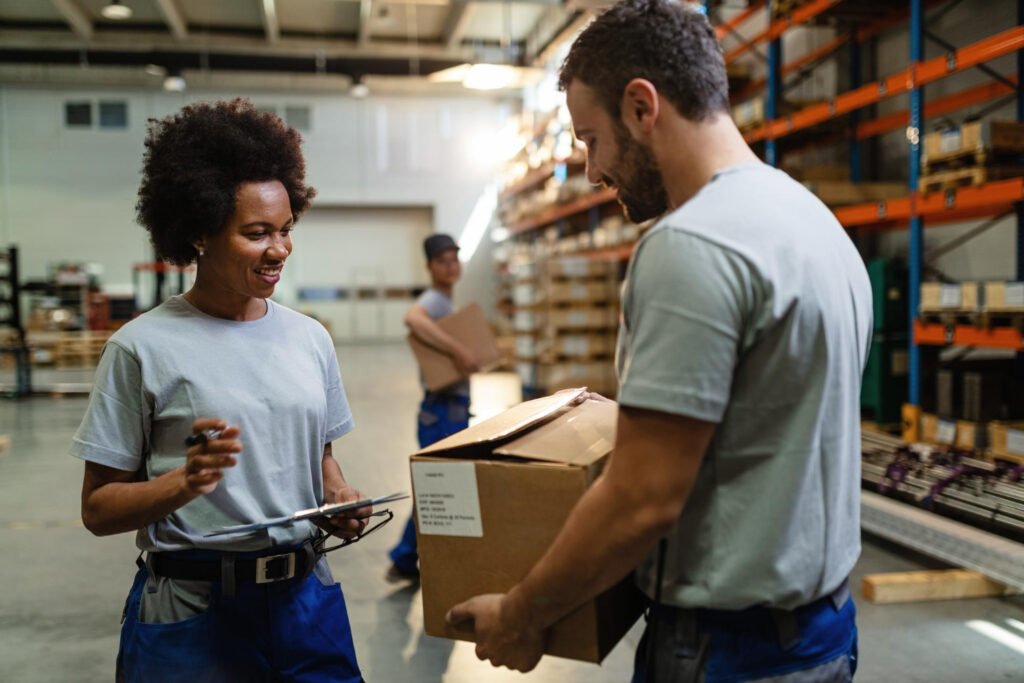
[61,590]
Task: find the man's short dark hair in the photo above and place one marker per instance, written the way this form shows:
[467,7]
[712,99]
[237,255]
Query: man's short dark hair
[662,41]
[194,163]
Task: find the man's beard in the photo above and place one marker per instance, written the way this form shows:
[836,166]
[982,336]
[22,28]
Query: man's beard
[641,190]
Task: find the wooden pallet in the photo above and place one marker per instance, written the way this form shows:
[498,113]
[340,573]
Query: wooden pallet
[967,177]
[80,349]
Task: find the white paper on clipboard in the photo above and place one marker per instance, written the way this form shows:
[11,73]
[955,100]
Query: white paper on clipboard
[327,510]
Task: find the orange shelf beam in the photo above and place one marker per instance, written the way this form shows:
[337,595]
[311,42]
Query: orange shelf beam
[897,84]
[961,204]
[723,29]
[935,334]
[555,214]
[944,105]
[621,252]
[797,17]
[825,50]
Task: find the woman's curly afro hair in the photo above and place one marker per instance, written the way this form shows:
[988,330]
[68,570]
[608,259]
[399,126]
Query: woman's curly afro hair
[196,159]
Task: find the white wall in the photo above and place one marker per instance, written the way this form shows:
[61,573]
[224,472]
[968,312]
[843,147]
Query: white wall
[70,194]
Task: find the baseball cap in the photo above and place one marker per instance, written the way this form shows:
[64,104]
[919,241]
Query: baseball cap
[435,245]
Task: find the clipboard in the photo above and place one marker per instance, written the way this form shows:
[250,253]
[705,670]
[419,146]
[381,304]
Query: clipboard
[311,513]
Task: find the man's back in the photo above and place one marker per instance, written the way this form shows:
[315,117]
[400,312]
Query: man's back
[750,307]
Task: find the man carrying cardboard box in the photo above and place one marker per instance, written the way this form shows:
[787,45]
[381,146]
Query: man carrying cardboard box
[734,481]
[444,412]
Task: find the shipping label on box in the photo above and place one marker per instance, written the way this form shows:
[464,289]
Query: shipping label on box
[1015,441]
[1014,295]
[447,499]
[950,296]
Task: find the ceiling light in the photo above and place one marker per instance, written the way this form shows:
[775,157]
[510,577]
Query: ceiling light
[116,11]
[174,82]
[155,70]
[359,89]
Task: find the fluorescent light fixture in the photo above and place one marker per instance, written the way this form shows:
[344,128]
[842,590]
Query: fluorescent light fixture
[116,11]
[454,74]
[174,82]
[488,76]
[477,223]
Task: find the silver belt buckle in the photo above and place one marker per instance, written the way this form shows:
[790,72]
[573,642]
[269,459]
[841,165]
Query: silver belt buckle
[273,568]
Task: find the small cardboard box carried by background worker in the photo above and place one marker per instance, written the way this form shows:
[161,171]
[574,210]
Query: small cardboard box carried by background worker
[492,498]
[467,325]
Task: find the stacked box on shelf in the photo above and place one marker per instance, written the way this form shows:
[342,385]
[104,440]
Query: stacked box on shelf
[581,298]
[956,298]
[973,154]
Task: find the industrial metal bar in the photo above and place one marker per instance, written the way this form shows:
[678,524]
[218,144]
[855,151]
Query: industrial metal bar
[855,143]
[1020,117]
[898,83]
[937,107]
[988,71]
[914,258]
[959,544]
[771,102]
[776,28]
[734,23]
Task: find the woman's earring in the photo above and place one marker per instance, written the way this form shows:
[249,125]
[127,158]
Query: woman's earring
[201,252]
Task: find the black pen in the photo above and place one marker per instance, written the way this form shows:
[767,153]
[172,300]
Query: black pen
[203,437]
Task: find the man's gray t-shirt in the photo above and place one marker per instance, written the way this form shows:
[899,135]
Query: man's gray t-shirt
[749,307]
[276,378]
[439,305]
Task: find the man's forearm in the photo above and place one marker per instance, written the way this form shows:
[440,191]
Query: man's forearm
[609,533]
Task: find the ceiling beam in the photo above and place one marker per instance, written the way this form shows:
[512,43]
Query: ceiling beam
[76,17]
[132,41]
[455,24]
[268,12]
[174,18]
[365,16]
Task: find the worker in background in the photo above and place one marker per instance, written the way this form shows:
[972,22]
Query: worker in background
[442,413]
[735,474]
[255,389]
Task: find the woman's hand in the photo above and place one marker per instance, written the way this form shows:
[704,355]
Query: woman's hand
[345,525]
[205,462]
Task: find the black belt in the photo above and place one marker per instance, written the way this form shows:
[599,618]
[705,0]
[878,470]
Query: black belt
[265,569]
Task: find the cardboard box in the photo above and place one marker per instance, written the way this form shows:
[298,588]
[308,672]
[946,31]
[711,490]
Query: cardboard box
[467,325]
[597,375]
[1006,440]
[597,291]
[1004,296]
[937,430]
[970,435]
[590,318]
[976,136]
[581,267]
[492,498]
[937,296]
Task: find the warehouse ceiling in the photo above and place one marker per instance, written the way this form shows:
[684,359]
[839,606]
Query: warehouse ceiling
[274,42]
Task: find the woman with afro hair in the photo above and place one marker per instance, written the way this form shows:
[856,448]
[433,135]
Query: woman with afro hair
[257,388]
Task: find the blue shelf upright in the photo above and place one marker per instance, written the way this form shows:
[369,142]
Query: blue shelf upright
[915,257]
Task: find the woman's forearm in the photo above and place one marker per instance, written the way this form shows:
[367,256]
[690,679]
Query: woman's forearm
[119,506]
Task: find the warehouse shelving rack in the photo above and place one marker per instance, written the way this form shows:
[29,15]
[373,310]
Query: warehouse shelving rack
[910,212]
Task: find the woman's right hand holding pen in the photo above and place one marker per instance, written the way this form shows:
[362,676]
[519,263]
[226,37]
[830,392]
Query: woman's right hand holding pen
[205,461]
